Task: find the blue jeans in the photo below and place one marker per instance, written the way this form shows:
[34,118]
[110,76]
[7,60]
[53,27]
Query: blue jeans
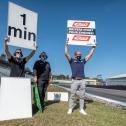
[77,87]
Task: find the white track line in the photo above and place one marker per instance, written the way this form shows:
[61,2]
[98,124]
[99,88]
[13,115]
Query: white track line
[118,103]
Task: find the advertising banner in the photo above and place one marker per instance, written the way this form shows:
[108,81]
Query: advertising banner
[81,32]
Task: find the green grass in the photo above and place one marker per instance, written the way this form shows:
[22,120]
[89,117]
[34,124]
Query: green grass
[53,88]
[56,115]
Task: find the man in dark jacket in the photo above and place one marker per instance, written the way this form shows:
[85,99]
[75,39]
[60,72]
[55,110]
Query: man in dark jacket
[42,75]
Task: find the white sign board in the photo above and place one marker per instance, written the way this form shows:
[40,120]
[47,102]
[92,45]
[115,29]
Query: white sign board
[15,98]
[81,33]
[22,27]
[57,96]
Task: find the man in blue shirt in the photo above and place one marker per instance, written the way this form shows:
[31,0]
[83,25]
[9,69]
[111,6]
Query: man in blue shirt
[78,76]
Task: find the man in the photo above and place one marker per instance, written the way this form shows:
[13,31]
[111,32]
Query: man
[17,61]
[42,75]
[78,83]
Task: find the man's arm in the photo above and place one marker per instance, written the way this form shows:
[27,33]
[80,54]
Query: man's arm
[90,53]
[66,51]
[6,48]
[35,75]
[50,75]
[30,55]
[35,72]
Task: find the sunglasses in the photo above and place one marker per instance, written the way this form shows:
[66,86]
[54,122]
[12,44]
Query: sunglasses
[43,55]
[18,52]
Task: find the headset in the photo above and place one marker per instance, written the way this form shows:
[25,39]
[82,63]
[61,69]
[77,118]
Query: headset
[21,52]
[45,55]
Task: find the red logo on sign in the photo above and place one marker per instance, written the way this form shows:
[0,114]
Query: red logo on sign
[81,38]
[81,24]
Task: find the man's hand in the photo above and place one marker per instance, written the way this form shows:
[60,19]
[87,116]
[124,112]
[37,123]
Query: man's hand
[50,81]
[66,50]
[94,46]
[35,78]
[6,39]
[66,44]
[36,47]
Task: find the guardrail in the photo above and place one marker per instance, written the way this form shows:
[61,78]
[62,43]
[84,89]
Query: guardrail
[117,87]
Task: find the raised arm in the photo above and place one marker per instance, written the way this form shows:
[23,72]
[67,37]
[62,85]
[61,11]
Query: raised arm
[6,48]
[90,53]
[30,55]
[66,51]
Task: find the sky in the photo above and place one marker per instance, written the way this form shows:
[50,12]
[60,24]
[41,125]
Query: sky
[110,18]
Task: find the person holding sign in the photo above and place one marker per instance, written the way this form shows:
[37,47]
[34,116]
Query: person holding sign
[78,84]
[42,75]
[17,61]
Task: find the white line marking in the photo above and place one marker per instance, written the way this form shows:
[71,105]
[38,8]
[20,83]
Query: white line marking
[100,98]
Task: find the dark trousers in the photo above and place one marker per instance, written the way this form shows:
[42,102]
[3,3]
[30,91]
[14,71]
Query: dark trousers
[42,87]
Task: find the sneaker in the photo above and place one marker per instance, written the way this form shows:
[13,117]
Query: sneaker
[83,112]
[69,111]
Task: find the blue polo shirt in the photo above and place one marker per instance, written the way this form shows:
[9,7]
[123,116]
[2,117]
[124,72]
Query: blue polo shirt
[77,67]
